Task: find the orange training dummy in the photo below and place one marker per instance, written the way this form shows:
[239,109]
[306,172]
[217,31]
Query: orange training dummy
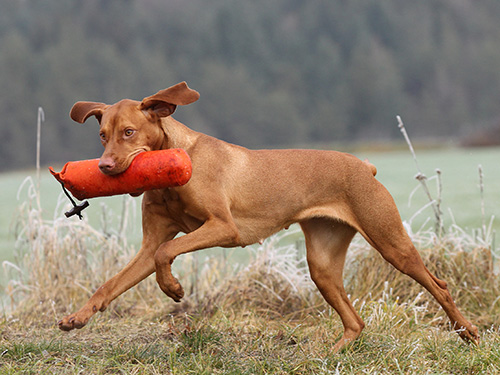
[149,170]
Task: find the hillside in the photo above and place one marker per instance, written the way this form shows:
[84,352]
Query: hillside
[270,73]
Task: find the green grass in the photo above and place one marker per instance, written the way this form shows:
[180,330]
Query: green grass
[261,317]
[246,343]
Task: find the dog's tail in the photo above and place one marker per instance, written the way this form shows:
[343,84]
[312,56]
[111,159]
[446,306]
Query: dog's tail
[371,166]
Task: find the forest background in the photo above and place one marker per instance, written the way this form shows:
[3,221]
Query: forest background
[271,73]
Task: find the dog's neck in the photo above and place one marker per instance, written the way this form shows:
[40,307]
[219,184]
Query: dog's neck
[177,135]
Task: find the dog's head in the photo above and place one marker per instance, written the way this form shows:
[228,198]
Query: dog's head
[129,127]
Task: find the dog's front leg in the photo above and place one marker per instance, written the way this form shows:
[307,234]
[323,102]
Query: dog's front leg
[214,232]
[157,229]
[138,269]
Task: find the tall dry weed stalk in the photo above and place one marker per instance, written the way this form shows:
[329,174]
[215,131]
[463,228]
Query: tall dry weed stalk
[435,203]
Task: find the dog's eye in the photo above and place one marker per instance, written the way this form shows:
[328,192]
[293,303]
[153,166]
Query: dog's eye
[102,136]
[129,132]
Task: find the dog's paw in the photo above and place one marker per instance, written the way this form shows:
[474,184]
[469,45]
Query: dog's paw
[470,334]
[173,289]
[177,292]
[71,322]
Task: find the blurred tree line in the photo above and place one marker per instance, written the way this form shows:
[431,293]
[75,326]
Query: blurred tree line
[270,73]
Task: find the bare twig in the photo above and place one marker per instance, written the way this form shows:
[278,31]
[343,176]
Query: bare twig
[422,178]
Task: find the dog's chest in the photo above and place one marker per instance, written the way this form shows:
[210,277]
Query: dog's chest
[178,211]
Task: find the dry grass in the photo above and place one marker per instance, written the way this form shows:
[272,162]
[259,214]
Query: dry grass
[262,317]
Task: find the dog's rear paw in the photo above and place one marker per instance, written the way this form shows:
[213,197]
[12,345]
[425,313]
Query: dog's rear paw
[469,335]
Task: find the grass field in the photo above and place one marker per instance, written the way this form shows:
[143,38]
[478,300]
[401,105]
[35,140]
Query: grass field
[396,170]
[261,317]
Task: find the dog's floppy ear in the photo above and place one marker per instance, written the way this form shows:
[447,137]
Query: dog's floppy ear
[164,102]
[81,111]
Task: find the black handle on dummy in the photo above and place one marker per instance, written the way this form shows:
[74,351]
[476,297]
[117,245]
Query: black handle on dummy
[77,210]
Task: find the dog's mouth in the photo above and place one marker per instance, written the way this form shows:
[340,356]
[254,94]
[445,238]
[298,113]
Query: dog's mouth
[112,167]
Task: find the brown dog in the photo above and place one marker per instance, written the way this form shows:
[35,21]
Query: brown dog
[238,197]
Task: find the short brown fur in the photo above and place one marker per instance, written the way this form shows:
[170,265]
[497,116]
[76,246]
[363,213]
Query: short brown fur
[237,197]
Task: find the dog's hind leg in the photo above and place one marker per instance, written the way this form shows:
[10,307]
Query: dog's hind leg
[379,222]
[327,241]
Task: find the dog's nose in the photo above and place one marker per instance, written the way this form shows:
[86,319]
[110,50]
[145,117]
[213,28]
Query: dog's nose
[106,165]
